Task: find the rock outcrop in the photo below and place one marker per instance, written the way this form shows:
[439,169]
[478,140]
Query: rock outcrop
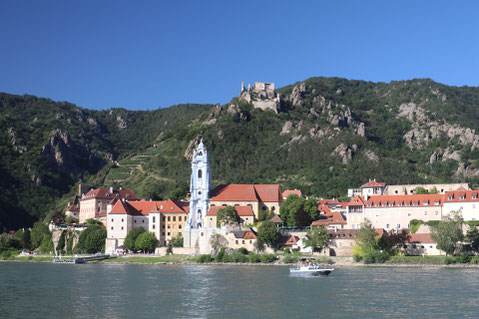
[343,152]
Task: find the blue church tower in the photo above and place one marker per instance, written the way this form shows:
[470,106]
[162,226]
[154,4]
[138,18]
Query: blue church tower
[199,188]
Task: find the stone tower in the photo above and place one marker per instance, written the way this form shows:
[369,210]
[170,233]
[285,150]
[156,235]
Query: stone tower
[199,188]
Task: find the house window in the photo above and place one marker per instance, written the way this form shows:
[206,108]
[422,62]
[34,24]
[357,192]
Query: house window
[163,218]
[153,226]
[179,226]
[387,225]
[143,221]
[122,220]
[112,220]
[163,233]
[111,227]
[399,226]
[263,208]
[179,218]
[243,241]
[425,213]
[273,208]
[135,221]
[153,218]
[168,233]
[121,227]
[168,218]
[236,242]
[169,226]
[174,218]
[436,213]
[200,173]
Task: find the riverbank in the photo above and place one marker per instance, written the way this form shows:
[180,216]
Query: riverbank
[413,262]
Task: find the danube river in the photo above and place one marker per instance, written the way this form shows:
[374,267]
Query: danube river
[43,290]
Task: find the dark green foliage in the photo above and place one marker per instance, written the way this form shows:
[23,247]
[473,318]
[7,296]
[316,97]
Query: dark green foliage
[129,242]
[46,246]
[39,231]
[177,241]
[221,254]
[316,238]
[293,211]
[243,251]
[227,216]
[146,242]
[268,233]
[472,237]
[448,233]
[92,240]
[70,244]
[61,243]
[205,258]
[375,256]
[463,258]
[25,241]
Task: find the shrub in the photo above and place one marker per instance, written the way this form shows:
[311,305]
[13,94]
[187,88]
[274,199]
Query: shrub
[449,260]
[221,254]
[357,258]
[268,258]
[243,251]
[375,256]
[205,258]
[254,258]
[287,250]
[475,260]
[288,259]
[463,258]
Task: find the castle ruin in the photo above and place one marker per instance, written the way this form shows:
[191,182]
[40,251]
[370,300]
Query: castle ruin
[262,95]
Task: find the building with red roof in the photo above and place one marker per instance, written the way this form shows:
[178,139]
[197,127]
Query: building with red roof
[396,211]
[244,212]
[73,211]
[166,219]
[465,201]
[94,204]
[330,220]
[288,192]
[258,197]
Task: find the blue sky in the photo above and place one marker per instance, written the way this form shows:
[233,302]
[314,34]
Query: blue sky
[150,54]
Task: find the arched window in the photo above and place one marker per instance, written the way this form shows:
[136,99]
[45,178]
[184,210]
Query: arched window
[199,212]
[200,153]
[200,173]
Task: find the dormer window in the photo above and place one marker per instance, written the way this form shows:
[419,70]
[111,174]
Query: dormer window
[377,205]
[450,198]
[384,205]
[107,194]
[462,197]
[127,195]
[200,153]
[400,204]
[474,197]
[391,205]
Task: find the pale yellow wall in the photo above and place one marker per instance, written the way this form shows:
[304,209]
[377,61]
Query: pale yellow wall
[172,227]
[390,217]
[254,205]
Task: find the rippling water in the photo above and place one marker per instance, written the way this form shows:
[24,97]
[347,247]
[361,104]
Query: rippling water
[39,290]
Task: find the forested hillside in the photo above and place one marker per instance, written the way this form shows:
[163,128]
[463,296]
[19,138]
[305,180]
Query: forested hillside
[329,134]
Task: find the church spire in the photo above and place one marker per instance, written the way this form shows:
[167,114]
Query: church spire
[199,187]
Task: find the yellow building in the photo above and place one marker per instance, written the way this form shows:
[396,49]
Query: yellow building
[258,197]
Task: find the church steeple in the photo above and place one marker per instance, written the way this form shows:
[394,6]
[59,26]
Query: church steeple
[199,188]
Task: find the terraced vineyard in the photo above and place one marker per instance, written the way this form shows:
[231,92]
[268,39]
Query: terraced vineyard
[127,166]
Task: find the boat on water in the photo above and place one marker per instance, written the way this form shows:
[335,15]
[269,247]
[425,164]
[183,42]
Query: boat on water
[69,261]
[310,270]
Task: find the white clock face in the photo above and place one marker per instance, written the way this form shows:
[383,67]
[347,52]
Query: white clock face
[200,165]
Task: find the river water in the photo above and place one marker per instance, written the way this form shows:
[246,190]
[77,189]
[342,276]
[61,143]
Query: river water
[43,290]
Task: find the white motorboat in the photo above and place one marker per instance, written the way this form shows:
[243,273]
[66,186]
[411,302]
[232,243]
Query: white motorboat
[310,270]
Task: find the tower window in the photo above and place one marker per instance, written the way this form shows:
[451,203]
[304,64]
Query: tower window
[200,173]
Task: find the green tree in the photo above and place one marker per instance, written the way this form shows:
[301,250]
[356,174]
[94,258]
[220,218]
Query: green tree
[268,233]
[366,238]
[472,237]
[316,238]
[39,230]
[46,246]
[393,238]
[217,241]
[420,191]
[93,221]
[227,216]
[311,207]
[25,241]
[146,242]
[292,211]
[92,239]
[265,214]
[130,239]
[448,233]
[177,241]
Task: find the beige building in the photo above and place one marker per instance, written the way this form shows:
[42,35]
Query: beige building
[440,188]
[244,212]
[166,219]
[354,214]
[258,197]
[94,204]
[396,212]
[466,202]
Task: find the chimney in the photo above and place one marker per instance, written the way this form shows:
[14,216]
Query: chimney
[121,188]
[111,189]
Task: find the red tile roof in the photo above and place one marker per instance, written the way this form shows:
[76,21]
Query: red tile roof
[296,192]
[104,193]
[247,193]
[462,196]
[289,240]
[138,208]
[241,210]
[276,219]
[421,238]
[356,201]
[373,183]
[332,218]
[382,201]
[73,208]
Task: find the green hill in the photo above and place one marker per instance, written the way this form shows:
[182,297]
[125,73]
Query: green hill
[329,134]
